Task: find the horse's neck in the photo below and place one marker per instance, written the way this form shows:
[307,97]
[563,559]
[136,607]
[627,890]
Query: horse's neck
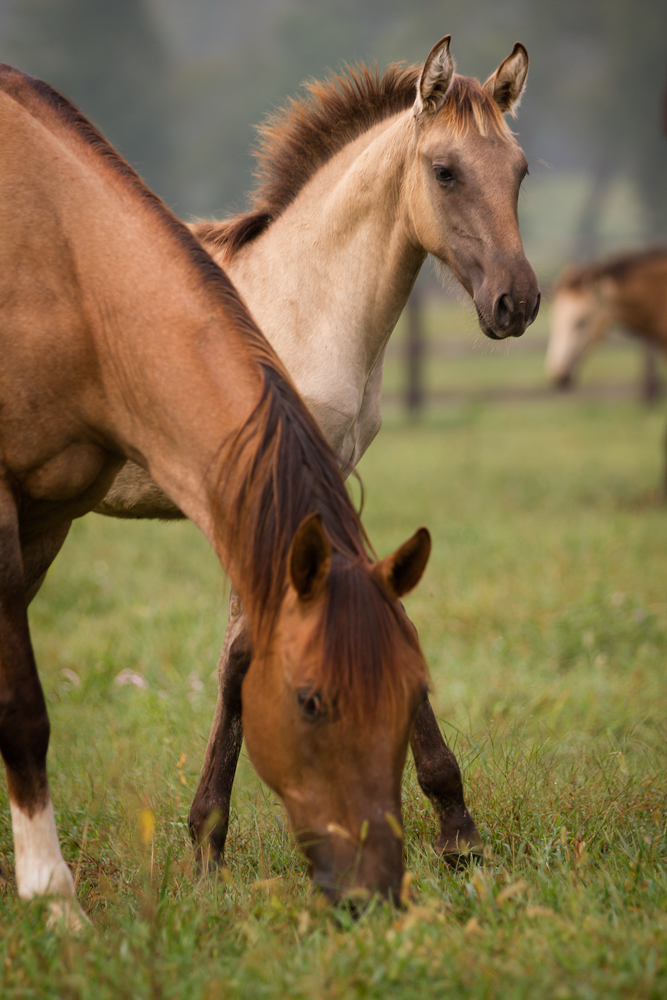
[145,357]
[176,378]
[150,353]
[329,279]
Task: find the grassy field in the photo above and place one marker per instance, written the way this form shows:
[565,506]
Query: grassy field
[543,615]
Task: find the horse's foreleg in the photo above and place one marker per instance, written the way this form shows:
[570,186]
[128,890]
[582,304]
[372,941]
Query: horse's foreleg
[439,777]
[209,815]
[38,555]
[24,732]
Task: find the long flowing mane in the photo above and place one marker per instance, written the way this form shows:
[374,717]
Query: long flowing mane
[308,131]
[288,469]
[293,473]
[618,267]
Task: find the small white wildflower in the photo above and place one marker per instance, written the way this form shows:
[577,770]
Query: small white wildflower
[131,677]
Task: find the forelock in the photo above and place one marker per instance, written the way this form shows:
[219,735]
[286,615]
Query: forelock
[469,106]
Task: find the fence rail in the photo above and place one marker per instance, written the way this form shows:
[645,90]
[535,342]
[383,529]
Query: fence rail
[413,352]
[608,391]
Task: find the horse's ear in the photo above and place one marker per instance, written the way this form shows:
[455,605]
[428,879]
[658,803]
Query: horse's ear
[604,291]
[605,287]
[506,85]
[402,570]
[310,558]
[435,78]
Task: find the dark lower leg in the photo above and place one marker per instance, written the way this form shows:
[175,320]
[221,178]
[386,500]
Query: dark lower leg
[24,726]
[209,815]
[439,777]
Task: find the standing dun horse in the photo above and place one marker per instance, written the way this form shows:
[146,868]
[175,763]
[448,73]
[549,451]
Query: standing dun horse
[357,183]
[121,338]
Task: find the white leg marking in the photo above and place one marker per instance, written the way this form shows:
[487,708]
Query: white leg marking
[40,868]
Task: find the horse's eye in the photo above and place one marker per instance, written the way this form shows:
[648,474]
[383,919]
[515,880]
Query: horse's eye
[310,703]
[442,174]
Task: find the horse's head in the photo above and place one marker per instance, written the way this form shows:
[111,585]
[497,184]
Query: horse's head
[579,316]
[465,186]
[328,708]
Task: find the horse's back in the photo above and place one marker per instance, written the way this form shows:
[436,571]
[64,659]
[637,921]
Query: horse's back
[641,289]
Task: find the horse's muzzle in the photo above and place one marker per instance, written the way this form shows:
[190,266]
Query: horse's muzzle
[350,874]
[509,318]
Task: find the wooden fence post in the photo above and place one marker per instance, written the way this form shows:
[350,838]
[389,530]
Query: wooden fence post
[414,399]
[651,384]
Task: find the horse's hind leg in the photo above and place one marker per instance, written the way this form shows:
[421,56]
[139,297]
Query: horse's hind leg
[24,734]
[209,815]
[439,777]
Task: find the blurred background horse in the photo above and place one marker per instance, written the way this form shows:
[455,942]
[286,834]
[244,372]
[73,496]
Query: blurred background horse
[627,292]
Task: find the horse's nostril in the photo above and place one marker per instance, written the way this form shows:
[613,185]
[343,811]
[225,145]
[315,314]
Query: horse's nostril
[533,315]
[504,309]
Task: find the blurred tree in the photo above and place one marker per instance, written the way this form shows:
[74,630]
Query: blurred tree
[186,120]
[106,56]
[606,65]
[238,87]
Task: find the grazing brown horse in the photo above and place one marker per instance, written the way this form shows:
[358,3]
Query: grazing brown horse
[357,182]
[121,338]
[629,291]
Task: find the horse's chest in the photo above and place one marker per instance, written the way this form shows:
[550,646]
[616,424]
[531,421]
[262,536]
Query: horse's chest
[67,474]
[349,425]
[345,401]
[66,485]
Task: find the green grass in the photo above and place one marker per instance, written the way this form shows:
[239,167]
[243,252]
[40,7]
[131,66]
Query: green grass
[544,619]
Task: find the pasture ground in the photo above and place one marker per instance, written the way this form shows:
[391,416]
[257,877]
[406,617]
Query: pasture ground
[543,615]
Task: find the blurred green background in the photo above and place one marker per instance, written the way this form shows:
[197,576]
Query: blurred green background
[178,87]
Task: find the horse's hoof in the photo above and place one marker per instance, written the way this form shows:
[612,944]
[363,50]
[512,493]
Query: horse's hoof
[208,863]
[459,843]
[65,914]
[459,861]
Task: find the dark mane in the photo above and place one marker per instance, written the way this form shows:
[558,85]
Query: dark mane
[297,140]
[293,473]
[577,278]
[290,470]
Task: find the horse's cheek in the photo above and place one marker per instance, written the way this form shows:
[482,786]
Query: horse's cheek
[261,727]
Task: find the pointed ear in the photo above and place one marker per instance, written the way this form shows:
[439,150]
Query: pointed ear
[402,570]
[603,292]
[507,83]
[604,289]
[435,78]
[309,558]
